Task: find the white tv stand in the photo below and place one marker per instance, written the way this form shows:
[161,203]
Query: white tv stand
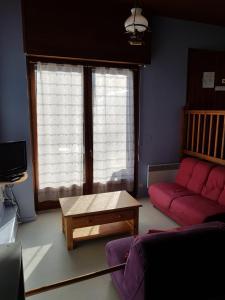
[8,214]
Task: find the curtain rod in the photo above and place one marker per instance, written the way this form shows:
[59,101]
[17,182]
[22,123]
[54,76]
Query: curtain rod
[85,62]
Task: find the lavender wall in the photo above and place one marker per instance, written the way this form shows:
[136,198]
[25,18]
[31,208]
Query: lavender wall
[163,88]
[14,105]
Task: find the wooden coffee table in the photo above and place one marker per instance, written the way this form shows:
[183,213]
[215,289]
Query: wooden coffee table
[97,215]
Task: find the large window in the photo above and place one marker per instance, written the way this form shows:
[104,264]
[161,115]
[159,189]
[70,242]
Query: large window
[84,130]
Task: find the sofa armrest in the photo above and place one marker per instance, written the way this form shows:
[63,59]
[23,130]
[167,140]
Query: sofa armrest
[134,272]
[116,253]
[161,173]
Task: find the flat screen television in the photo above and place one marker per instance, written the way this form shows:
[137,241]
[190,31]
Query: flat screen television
[13,160]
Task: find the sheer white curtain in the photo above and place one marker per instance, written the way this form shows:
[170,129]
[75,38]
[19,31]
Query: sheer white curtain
[113,129]
[59,92]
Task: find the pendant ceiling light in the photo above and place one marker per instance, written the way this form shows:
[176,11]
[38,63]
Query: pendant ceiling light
[136,26]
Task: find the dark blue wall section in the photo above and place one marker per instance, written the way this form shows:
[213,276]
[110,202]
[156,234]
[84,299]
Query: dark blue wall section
[14,104]
[163,88]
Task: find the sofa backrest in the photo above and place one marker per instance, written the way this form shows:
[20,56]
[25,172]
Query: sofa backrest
[178,264]
[199,176]
[215,185]
[185,171]
[193,174]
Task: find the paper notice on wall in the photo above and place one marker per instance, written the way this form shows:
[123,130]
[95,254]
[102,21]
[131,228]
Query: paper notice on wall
[219,88]
[208,80]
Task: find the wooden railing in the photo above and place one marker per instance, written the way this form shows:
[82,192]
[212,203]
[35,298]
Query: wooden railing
[204,134]
[73,280]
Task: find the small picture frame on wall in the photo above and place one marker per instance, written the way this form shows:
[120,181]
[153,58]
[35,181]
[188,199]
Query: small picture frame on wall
[208,80]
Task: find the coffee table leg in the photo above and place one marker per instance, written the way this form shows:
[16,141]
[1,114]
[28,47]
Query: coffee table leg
[69,232]
[135,221]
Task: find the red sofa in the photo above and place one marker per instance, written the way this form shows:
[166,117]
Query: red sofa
[196,196]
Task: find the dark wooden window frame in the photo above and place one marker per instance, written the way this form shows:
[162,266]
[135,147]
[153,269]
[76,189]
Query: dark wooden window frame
[88,118]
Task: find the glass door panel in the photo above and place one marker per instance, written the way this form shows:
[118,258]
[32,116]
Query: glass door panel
[59,96]
[113,129]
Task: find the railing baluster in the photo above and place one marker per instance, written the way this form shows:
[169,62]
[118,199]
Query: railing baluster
[203,140]
[188,129]
[198,133]
[223,134]
[193,133]
[210,133]
[216,135]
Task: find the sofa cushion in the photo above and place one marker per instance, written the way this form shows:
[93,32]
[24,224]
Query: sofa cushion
[199,176]
[221,199]
[215,184]
[185,171]
[196,209]
[162,194]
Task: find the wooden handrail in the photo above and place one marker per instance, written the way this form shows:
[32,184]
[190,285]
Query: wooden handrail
[74,280]
[202,112]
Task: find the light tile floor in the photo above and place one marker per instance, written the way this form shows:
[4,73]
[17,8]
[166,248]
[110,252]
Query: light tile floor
[46,259]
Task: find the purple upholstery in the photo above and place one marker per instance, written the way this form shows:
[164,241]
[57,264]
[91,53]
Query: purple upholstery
[116,252]
[197,196]
[174,265]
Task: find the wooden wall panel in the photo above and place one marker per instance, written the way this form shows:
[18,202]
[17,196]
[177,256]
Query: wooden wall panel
[200,61]
[92,30]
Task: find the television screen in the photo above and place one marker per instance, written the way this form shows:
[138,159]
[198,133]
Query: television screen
[13,159]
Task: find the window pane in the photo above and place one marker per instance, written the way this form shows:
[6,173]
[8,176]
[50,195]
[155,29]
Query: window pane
[113,126]
[59,90]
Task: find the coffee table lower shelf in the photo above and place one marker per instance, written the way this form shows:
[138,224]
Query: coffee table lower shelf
[92,232]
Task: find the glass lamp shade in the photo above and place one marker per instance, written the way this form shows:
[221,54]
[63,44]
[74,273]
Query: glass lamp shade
[136,22]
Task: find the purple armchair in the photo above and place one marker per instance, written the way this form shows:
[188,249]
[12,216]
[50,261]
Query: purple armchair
[179,264]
